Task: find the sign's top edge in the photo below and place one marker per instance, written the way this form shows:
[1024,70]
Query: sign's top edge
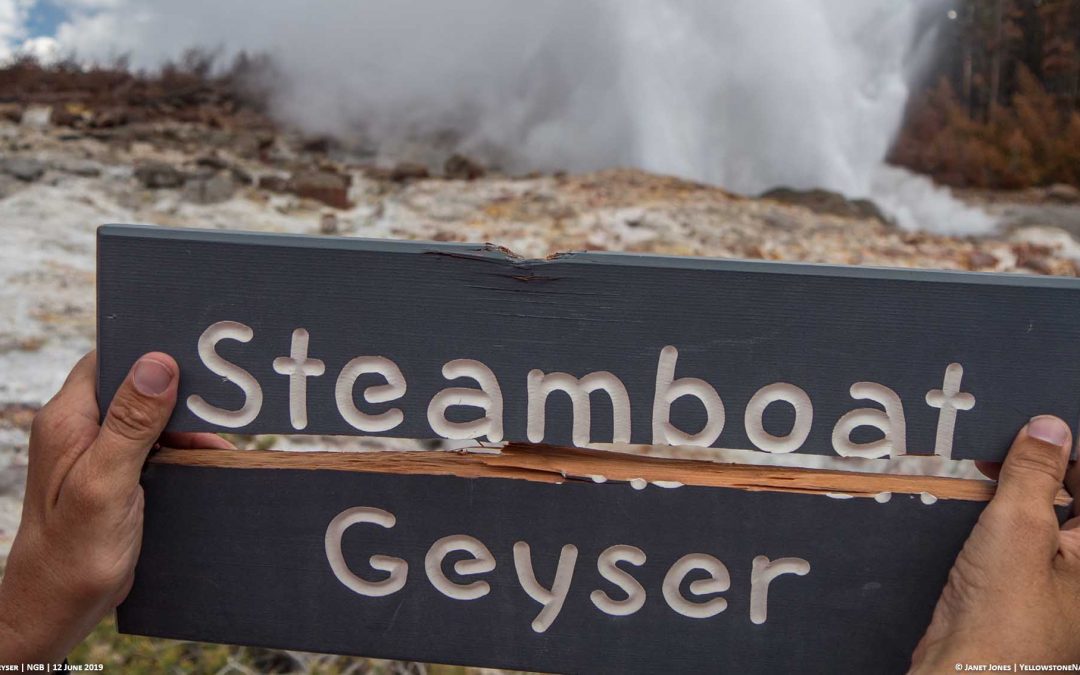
[293,240]
[494,253]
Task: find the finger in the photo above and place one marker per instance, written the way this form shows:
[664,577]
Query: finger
[135,419]
[1034,469]
[991,470]
[196,441]
[85,369]
[78,395]
[66,425]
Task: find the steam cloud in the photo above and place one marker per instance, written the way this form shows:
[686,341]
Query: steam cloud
[747,94]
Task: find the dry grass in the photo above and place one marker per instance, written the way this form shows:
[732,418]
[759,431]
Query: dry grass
[134,655]
[193,89]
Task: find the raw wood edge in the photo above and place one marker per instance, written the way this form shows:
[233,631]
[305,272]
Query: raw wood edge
[550,464]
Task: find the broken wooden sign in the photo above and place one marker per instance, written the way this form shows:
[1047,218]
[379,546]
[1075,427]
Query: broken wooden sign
[566,560]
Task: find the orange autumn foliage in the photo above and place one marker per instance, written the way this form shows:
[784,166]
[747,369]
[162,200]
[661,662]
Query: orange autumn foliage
[1030,142]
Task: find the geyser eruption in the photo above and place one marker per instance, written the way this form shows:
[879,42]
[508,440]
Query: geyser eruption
[746,94]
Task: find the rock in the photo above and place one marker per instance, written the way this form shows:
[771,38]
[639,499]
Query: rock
[12,112]
[865,208]
[250,144]
[212,189]
[460,167]
[328,223]
[781,221]
[1063,193]
[444,235]
[327,187]
[18,415]
[109,118]
[156,175]
[1040,265]
[71,115]
[1035,257]
[212,161]
[25,169]
[62,118]
[981,260]
[407,171]
[241,176]
[9,185]
[273,183]
[80,167]
[402,172]
[36,116]
[827,202]
[279,152]
[317,145]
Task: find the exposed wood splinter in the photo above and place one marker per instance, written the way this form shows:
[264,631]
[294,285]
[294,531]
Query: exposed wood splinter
[549,464]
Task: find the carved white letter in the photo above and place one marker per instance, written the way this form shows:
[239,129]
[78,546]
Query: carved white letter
[635,592]
[489,398]
[755,409]
[949,399]
[540,385]
[890,421]
[482,561]
[298,367]
[253,397]
[761,575]
[393,389]
[397,567]
[718,582]
[668,390]
[552,599]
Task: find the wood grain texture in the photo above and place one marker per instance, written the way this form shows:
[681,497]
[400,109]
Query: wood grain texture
[739,325]
[548,464]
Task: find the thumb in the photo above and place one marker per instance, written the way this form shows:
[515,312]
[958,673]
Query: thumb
[136,417]
[1034,469]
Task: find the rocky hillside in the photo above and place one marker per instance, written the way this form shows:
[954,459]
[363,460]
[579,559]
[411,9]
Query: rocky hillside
[59,181]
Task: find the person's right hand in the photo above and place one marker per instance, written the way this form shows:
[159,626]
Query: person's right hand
[74,556]
[1013,595]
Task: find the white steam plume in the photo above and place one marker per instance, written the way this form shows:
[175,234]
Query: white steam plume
[747,94]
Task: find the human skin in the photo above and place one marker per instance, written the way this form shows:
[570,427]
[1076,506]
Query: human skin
[1013,595]
[73,559]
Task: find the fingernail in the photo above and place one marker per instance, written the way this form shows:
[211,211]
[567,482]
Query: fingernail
[1048,429]
[151,377]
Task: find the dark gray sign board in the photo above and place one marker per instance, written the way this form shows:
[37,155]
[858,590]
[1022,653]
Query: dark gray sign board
[286,334]
[966,358]
[240,556]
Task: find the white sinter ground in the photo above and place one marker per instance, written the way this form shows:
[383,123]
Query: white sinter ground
[48,223]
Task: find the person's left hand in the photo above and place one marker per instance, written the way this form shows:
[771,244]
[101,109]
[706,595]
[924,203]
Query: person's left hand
[73,558]
[1012,593]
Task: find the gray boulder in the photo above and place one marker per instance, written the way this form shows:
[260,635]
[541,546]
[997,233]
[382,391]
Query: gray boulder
[25,169]
[827,202]
[212,189]
[157,175]
[1063,194]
